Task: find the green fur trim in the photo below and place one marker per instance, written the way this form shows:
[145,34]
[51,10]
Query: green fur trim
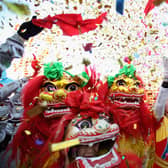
[85,75]
[53,70]
[110,80]
[128,70]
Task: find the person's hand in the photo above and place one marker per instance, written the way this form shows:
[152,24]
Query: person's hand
[165,67]
[28,29]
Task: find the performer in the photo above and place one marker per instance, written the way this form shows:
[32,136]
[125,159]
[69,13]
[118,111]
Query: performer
[160,111]
[8,111]
[44,105]
[14,45]
[126,100]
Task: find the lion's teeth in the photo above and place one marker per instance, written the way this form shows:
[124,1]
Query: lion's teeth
[90,144]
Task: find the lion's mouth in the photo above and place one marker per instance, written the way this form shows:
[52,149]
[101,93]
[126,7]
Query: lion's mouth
[96,149]
[126,100]
[54,110]
[100,154]
[91,150]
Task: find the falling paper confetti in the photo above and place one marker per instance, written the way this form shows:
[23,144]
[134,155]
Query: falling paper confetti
[143,37]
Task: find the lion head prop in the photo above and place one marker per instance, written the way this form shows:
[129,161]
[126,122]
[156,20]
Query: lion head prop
[44,105]
[126,101]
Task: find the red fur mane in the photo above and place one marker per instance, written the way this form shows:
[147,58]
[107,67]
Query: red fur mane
[31,90]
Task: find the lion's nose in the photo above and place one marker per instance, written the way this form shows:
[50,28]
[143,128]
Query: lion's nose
[60,94]
[133,89]
[102,126]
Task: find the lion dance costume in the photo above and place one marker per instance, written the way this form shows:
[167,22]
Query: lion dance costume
[43,101]
[63,107]
[126,98]
[90,123]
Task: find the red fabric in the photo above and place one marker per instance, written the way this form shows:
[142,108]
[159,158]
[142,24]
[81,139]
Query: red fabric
[161,147]
[130,160]
[35,65]
[42,129]
[30,91]
[71,24]
[133,161]
[127,118]
[90,99]
[83,103]
[94,78]
[150,5]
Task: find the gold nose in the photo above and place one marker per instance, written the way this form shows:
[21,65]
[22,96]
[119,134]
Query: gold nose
[60,94]
[134,89]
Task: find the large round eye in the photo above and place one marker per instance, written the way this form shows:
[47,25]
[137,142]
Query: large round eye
[86,123]
[72,87]
[50,88]
[137,84]
[121,82]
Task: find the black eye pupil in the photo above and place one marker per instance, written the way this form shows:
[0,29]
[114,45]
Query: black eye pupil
[137,84]
[51,88]
[84,125]
[72,87]
[121,82]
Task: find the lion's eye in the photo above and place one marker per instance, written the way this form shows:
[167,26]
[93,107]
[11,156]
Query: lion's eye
[137,84]
[121,82]
[86,123]
[50,88]
[72,87]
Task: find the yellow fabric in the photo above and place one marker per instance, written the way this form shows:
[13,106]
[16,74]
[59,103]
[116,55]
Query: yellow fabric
[64,145]
[52,159]
[132,145]
[138,147]
[162,132]
[160,162]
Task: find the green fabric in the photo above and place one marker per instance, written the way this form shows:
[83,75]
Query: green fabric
[53,70]
[85,75]
[128,70]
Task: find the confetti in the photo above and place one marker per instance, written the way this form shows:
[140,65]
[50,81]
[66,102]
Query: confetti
[143,37]
[27,132]
[39,142]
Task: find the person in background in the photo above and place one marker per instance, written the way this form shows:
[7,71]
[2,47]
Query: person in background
[12,48]
[161,115]
[10,112]
[14,45]
[166,109]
